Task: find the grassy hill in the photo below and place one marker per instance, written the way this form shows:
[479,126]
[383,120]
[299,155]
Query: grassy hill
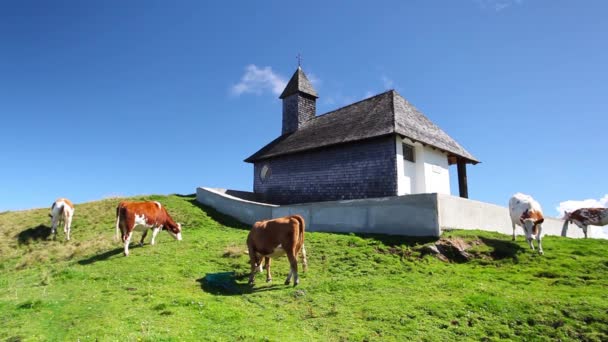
[357,288]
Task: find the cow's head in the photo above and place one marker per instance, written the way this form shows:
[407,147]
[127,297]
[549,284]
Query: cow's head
[531,225]
[176,231]
[531,221]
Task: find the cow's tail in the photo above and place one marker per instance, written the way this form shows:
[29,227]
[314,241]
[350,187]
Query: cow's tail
[61,213]
[302,225]
[300,220]
[117,236]
[64,213]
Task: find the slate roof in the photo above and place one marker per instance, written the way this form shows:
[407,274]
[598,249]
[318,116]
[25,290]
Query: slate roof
[380,115]
[298,83]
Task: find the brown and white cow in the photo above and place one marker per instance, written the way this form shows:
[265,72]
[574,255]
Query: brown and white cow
[527,213]
[62,211]
[585,217]
[272,238]
[142,216]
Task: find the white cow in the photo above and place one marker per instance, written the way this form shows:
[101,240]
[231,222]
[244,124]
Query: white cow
[62,211]
[528,214]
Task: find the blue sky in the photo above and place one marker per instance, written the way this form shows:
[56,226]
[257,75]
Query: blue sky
[112,98]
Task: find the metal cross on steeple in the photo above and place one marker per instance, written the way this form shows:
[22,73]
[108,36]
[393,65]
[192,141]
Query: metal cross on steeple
[299,58]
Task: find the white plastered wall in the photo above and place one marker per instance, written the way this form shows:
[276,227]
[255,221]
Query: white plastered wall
[429,173]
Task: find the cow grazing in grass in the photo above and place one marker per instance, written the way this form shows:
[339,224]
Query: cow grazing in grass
[585,217]
[62,212]
[527,213]
[272,238]
[142,216]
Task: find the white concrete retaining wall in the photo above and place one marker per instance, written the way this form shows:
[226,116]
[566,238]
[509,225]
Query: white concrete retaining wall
[410,215]
[413,215]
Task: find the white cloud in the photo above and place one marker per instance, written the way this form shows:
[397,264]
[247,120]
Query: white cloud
[498,5]
[258,80]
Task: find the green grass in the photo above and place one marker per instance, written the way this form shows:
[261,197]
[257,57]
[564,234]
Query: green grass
[357,288]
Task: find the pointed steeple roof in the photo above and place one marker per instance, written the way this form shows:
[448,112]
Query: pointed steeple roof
[299,83]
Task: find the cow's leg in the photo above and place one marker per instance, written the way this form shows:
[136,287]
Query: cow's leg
[118,230]
[293,269]
[538,240]
[267,265]
[529,238]
[67,226]
[143,236]
[513,238]
[127,241]
[54,223]
[155,231]
[304,259]
[253,261]
[585,230]
[60,222]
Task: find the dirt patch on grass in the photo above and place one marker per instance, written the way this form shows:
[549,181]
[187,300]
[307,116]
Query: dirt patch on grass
[233,251]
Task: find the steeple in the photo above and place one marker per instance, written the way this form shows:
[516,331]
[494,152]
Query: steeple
[299,83]
[299,102]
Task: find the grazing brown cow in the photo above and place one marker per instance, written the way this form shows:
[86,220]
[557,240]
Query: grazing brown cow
[62,211]
[273,238]
[142,216]
[584,217]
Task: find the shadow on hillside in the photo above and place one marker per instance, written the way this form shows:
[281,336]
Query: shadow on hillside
[222,219]
[185,195]
[40,232]
[502,249]
[393,240]
[105,255]
[224,284]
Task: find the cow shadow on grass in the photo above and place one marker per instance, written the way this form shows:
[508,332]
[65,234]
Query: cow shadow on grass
[225,284]
[105,255]
[502,249]
[38,233]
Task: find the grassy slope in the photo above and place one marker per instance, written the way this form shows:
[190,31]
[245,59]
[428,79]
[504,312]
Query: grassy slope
[357,287]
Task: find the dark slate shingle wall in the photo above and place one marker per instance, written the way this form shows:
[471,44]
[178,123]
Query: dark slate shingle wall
[297,110]
[362,169]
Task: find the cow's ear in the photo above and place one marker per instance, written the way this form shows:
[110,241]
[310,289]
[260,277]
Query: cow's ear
[540,221]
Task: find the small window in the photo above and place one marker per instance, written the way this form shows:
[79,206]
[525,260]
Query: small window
[265,173]
[408,153]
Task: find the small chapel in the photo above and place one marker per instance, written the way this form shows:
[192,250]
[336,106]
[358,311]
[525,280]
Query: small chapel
[378,147]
